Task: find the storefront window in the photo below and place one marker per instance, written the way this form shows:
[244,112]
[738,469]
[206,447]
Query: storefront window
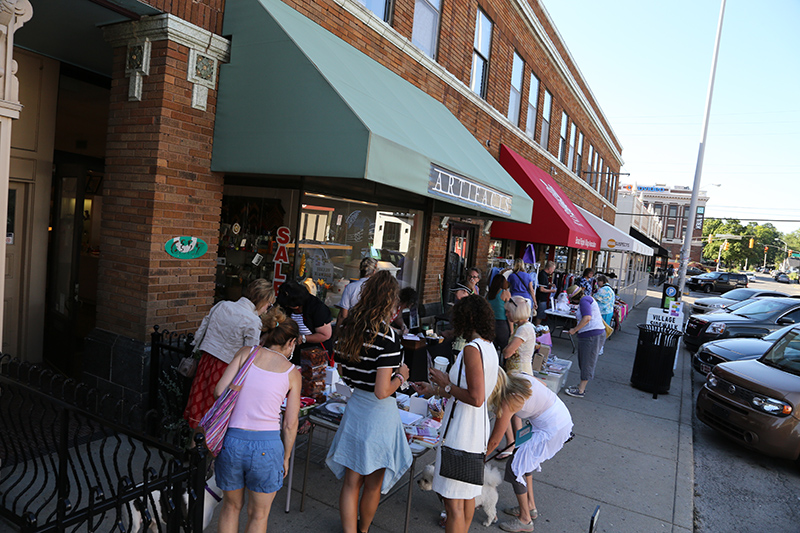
[562,254]
[333,235]
[248,242]
[336,233]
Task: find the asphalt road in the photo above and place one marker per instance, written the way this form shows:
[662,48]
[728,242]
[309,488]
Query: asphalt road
[737,490]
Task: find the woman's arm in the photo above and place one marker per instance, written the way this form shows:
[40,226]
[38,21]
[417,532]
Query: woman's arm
[474,392]
[512,347]
[500,426]
[505,295]
[385,384]
[290,417]
[230,372]
[585,319]
[321,334]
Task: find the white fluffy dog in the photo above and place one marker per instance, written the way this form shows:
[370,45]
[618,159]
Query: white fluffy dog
[487,498]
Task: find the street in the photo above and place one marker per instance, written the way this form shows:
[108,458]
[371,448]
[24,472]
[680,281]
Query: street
[737,489]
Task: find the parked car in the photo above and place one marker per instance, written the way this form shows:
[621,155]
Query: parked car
[755,402]
[759,318]
[751,276]
[694,271]
[776,273]
[737,349]
[783,278]
[717,282]
[706,305]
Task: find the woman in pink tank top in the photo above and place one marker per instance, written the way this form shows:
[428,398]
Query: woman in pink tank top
[255,453]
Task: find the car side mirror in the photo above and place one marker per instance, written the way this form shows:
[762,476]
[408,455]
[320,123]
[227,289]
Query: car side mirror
[785,321]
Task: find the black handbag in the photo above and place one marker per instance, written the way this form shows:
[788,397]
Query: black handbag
[467,467]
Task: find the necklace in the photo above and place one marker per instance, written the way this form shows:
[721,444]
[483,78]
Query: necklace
[279,353]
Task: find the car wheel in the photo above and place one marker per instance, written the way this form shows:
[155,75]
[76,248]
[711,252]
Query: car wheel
[706,288]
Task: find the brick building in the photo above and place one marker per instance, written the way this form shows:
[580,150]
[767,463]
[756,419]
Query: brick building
[671,207]
[174,125]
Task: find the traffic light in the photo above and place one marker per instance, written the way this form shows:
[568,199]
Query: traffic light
[710,237]
[789,254]
[726,246]
[751,242]
[766,249]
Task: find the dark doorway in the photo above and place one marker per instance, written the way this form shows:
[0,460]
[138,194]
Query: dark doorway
[460,256]
[72,259]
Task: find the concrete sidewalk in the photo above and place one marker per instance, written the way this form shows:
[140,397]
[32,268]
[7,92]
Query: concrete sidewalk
[631,455]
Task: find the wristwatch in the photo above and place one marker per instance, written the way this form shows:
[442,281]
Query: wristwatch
[302,339]
[447,389]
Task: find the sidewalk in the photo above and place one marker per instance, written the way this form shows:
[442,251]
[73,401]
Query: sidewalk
[631,455]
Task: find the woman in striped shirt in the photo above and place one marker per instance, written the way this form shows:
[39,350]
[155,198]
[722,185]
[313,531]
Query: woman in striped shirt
[370,448]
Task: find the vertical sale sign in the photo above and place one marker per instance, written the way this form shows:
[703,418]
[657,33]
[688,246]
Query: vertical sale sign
[281,257]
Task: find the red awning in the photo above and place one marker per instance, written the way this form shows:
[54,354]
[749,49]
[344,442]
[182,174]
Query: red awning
[555,218]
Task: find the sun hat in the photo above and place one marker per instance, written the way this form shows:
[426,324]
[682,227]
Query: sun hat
[460,287]
[573,290]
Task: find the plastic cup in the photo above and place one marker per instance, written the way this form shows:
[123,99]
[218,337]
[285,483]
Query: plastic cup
[440,363]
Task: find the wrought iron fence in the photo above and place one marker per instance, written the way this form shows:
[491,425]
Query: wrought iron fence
[72,460]
[169,389]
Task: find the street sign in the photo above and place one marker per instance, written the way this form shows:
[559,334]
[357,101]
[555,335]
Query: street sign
[727,236]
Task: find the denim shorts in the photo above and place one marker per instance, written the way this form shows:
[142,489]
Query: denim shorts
[252,459]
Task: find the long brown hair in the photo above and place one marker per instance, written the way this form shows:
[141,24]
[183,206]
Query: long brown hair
[369,316]
[278,329]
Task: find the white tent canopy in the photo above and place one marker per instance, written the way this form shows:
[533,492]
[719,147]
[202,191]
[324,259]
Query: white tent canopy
[613,239]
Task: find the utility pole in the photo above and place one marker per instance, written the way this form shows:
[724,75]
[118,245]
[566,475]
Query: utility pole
[687,238]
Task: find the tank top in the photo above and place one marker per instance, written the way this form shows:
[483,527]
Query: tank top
[499,307]
[258,407]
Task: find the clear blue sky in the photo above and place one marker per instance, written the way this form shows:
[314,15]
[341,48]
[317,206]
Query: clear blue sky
[648,65]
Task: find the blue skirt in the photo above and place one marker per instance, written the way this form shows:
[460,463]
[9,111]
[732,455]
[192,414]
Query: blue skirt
[369,438]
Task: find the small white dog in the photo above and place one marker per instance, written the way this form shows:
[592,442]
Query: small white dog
[487,498]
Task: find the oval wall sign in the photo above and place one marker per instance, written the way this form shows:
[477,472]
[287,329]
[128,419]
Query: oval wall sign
[186,247]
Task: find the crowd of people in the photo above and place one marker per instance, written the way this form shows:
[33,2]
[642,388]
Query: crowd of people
[491,372]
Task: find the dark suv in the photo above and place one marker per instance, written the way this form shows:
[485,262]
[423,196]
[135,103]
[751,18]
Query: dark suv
[717,281]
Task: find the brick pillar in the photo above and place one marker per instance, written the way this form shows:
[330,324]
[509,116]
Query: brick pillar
[158,185]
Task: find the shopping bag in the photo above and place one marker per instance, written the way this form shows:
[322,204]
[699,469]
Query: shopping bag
[214,423]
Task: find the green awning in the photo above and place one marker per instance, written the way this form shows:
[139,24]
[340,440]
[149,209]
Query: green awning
[297,100]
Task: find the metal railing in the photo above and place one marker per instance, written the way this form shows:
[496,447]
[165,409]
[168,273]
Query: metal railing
[169,390]
[72,460]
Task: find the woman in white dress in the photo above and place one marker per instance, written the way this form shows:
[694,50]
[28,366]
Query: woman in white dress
[551,426]
[471,380]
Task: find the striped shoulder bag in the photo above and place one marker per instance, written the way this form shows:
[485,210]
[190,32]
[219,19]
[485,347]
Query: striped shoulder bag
[215,422]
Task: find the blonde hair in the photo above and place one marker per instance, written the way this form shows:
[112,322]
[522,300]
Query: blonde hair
[518,308]
[519,264]
[259,292]
[511,390]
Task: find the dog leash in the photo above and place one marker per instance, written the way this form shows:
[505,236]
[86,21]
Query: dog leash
[504,450]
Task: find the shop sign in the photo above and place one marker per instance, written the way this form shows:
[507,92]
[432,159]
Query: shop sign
[618,245]
[448,185]
[582,242]
[651,189]
[282,237]
[186,247]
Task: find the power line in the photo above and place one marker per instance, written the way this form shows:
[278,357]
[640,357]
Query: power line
[710,218]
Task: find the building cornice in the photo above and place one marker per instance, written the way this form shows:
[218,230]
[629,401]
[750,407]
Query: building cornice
[167,26]
[358,10]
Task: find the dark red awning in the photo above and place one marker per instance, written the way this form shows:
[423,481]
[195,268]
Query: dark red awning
[555,218]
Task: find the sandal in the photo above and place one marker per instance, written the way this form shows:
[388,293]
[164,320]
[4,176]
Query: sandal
[514,511]
[503,455]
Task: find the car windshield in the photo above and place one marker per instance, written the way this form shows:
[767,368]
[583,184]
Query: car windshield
[760,308]
[775,335]
[739,294]
[785,354]
[709,275]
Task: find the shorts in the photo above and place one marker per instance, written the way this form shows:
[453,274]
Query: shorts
[252,459]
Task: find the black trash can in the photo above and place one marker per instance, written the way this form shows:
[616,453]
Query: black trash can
[655,356]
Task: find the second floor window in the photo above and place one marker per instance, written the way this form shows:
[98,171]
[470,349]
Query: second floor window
[533,102]
[515,97]
[670,232]
[562,140]
[425,33]
[379,7]
[572,146]
[590,162]
[546,109]
[673,210]
[580,155]
[480,54]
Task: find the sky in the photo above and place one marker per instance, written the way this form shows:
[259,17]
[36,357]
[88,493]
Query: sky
[648,65]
